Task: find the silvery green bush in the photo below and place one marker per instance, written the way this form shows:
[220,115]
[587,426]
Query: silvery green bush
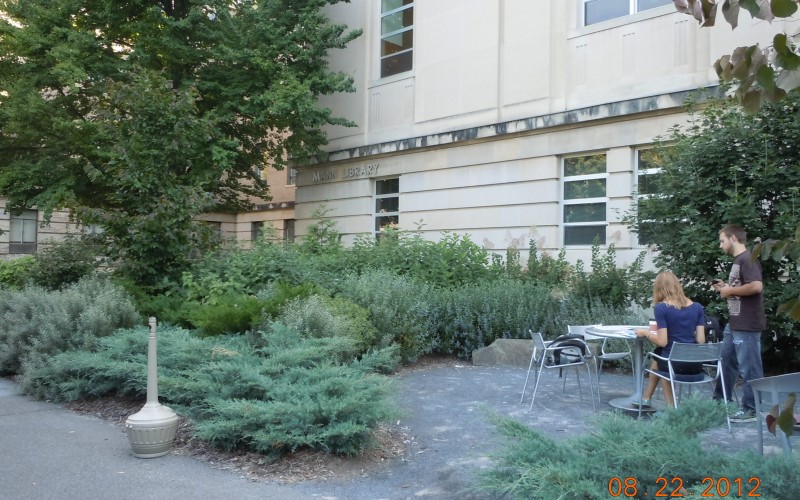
[36,323]
[272,391]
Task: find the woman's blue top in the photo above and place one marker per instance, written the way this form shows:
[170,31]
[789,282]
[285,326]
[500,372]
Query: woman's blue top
[680,323]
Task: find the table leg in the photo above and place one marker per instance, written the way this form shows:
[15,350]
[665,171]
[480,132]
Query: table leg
[627,403]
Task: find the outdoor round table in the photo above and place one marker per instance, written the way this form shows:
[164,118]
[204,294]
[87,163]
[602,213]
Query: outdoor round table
[621,332]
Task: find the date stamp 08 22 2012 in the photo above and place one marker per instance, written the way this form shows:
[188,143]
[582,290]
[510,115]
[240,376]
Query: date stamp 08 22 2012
[673,487]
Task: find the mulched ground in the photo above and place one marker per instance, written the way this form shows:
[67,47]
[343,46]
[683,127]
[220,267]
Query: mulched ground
[391,442]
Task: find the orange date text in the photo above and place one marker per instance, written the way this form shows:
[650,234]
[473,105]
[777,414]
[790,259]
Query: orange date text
[674,487]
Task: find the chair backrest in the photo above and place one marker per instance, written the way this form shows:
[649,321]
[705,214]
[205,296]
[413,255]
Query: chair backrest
[695,353]
[576,329]
[538,340]
[581,330]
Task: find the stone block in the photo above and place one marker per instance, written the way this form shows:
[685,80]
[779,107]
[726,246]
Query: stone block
[504,352]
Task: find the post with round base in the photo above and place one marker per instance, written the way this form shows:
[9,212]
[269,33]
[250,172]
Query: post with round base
[152,430]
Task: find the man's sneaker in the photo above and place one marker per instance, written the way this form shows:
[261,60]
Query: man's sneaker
[743,416]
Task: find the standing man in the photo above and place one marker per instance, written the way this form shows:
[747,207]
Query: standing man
[741,344]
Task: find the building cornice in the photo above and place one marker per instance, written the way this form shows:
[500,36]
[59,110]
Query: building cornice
[673,102]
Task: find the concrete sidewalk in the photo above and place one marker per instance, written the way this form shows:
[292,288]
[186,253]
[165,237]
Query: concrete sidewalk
[50,452]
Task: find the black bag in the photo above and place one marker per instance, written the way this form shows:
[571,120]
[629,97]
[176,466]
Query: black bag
[570,349]
[713,331]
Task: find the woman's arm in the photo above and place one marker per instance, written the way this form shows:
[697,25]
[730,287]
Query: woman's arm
[700,334]
[659,338]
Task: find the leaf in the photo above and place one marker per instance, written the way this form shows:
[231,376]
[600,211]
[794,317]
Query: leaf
[730,11]
[682,6]
[723,67]
[788,80]
[791,308]
[691,7]
[771,419]
[783,8]
[751,100]
[785,57]
[709,12]
[786,417]
[765,76]
[760,9]
[773,94]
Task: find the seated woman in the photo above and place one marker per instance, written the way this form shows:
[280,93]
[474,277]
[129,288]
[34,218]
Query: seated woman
[679,320]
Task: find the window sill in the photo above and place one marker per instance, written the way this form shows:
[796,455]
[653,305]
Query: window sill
[664,10]
[26,248]
[408,75]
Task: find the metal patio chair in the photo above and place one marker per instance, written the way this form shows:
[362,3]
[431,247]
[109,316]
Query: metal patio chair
[559,354]
[605,350]
[708,355]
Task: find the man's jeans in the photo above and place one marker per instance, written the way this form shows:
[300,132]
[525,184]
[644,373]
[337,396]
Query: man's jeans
[741,354]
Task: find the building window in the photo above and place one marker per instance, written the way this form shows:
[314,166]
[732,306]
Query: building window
[584,194]
[256,230]
[288,230]
[22,237]
[648,173]
[214,231]
[595,11]
[291,176]
[397,36]
[387,204]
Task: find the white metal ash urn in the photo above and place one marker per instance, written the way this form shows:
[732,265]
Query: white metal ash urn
[152,430]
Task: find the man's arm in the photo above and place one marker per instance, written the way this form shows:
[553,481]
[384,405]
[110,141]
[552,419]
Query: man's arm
[751,288]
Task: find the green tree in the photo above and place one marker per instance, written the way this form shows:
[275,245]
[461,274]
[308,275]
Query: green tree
[759,75]
[729,166]
[138,115]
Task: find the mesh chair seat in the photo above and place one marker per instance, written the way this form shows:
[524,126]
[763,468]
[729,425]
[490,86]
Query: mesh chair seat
[687,378]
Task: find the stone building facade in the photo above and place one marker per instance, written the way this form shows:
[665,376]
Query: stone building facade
[509,120]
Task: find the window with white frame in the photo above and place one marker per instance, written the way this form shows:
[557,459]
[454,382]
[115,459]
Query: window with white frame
[291,175]
[648,172]
[595,11]
[397,36]
[584,195]
[22,234]
[387,204]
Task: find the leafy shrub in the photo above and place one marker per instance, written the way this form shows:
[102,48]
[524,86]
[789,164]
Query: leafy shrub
[608,283]
[476,315]
[284,393]
[168,307]
[36,324]
[534,466]
[323,235]
[66,262]
[403,310]
[278,294]
[544,269]
[452,261]
[323,316]
[227,314]
[249,271]
[232,271]
[14,273]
